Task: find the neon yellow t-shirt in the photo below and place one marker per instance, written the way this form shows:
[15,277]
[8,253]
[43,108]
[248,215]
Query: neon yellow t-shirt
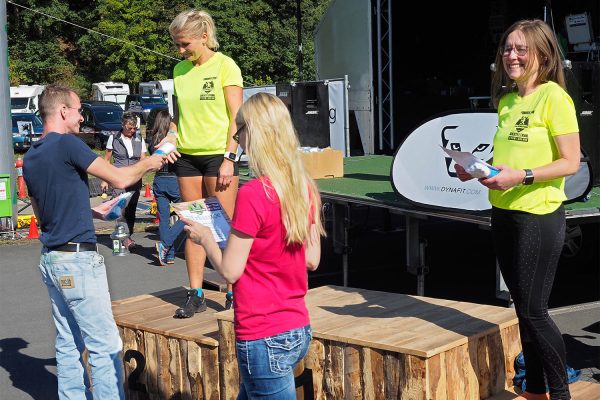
[203,115]
[525,139]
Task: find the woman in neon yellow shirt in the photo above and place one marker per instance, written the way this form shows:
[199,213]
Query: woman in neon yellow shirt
[535,147]
[208,91]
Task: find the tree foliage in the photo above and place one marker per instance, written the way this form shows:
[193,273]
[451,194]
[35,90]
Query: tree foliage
[128,40]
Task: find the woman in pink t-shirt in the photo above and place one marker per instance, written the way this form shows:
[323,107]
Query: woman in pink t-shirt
[275,237]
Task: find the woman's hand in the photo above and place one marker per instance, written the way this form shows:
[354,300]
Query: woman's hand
[198,233]
[225,174]
[505,179]
[461,174]
[104,186]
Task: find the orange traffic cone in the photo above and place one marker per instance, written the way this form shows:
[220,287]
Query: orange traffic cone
[147,195]
[21,185]
[33,229]
[20,181]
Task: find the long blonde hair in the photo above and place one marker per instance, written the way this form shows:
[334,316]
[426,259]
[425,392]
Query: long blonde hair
[272,149]
[542,45]
[194,23]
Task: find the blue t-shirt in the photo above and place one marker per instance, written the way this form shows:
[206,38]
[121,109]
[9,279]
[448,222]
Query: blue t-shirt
[54,169]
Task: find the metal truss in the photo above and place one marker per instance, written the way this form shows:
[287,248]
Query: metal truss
[385,97]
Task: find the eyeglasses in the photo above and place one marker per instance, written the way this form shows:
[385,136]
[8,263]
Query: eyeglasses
[520,50]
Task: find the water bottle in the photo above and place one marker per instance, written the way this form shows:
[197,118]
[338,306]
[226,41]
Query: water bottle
[165,149]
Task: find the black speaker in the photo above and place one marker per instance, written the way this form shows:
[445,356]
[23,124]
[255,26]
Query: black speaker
[583,84]
[308,103]
[284,92]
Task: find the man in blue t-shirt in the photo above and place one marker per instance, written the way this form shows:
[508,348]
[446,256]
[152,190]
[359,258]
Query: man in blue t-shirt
[55,170]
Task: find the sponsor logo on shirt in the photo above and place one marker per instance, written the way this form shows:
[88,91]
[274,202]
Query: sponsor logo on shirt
[208,89]
[518,135]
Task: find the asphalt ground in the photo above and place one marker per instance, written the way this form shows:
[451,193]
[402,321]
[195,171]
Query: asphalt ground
[27,363]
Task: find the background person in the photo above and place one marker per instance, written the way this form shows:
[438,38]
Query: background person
[208,91]
[535,147]
[126,148]
[56,172]
[274,239]
[166,191]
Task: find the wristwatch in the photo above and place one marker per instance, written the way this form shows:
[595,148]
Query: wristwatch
[230,156]
[528,180]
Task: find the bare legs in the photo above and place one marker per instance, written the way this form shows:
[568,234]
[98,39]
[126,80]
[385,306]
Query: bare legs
[194,188]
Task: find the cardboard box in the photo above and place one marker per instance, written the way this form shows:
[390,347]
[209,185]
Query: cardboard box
[328,163]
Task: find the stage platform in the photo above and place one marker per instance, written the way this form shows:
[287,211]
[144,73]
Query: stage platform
[367,344]
[367,182]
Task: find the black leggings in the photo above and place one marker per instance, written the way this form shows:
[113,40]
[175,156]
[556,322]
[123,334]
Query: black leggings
[528,247]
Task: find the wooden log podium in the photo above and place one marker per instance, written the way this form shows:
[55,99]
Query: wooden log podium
[366,345]
[377,345]
[165,357]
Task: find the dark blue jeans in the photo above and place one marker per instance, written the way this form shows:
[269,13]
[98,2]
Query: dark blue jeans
[267,365]
[166,191]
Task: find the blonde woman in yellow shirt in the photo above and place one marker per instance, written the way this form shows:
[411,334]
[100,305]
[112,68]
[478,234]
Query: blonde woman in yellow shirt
[208,93]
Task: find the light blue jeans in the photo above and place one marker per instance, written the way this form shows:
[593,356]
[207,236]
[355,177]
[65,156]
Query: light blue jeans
[267,365]
[82,313]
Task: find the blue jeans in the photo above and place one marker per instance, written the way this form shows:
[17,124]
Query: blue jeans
[267,365]
[82,313]
[166,191]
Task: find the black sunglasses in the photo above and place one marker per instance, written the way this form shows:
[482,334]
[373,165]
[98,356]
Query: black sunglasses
[236,135]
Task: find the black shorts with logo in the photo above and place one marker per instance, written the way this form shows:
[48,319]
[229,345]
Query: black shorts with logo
[189,165]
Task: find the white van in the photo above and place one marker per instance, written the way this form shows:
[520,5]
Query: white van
[164,87]
[24,98]
[110,91]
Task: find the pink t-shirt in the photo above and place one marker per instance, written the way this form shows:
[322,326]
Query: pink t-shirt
[269,296]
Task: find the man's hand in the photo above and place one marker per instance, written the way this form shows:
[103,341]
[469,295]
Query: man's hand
[157,161]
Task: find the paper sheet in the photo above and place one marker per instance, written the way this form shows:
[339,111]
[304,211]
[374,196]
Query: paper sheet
[208,212]
[471,163]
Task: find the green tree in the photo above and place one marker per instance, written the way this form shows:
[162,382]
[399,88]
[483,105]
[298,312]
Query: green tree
[260,35]
[41,49]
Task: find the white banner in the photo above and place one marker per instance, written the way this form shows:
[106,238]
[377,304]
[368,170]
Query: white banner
[423,173]
[337,114]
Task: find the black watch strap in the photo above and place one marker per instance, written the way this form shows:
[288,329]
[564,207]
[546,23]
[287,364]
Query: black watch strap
[528,180]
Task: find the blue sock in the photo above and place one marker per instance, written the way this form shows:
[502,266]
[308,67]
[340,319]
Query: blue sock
[199,291]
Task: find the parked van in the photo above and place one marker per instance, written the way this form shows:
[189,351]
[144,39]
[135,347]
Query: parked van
[110,91]
[164,87]
[24,98]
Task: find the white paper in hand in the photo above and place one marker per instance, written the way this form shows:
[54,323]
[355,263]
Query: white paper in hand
[112,209]
[208,212]
[474,166]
